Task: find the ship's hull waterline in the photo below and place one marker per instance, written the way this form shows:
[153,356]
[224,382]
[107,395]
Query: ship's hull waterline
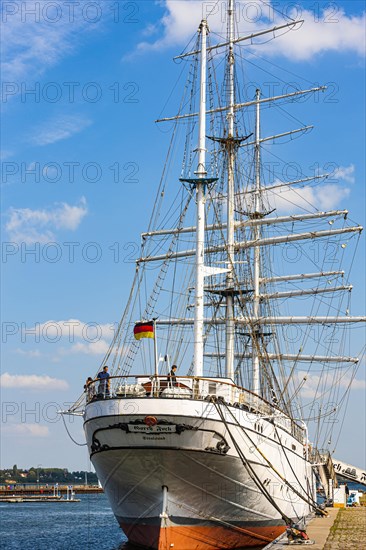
[181,484]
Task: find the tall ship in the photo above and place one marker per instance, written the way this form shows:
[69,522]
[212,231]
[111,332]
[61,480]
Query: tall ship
[240,286]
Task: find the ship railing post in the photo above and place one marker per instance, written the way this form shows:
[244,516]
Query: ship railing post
[156,357]
[196,388]
[155,386]
[233,394]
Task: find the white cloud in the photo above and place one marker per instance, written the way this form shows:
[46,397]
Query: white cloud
[32,382]
[150,30]
[29,353]
[358,384]
[31,44]
[178,24]
[88,338]
[330,30]
[5,154]
[95,348]
[345,173]
[315,385]
[329,196]
[333,32]
[26,429]
[324,197]
[58,128]
[30,226]
[73,329]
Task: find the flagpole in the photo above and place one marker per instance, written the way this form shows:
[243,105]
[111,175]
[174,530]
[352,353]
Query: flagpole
[156,350]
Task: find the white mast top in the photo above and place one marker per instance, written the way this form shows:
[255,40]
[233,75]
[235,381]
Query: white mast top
[200,200]
[201,169]
[256,236]
[230,326]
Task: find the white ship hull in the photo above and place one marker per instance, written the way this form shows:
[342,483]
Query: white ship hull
[217,458]
[181,484]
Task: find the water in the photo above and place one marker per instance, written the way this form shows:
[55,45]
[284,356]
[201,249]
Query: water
[81,525]
[84,525]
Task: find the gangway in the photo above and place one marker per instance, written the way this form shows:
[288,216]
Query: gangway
[349,472]
[322,463]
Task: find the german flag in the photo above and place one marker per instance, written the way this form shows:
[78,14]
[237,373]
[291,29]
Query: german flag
[144,330]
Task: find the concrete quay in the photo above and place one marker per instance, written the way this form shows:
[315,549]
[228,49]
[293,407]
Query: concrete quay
[319,528]
[348,531]
[341,529]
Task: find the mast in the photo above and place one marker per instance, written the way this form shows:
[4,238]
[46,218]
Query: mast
[230,327]
[256,235]
[200,212]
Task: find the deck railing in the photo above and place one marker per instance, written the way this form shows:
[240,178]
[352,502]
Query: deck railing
[190,387]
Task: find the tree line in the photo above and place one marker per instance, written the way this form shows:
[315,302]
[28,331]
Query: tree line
[46,475]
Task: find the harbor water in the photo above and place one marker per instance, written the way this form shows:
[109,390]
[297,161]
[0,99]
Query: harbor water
[87,524]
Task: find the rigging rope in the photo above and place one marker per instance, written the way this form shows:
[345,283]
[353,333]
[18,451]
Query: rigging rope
[226,523]
[249,468]
[154,294]
[311,502]
[70,436]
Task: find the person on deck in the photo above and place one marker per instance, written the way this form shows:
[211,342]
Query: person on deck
[172,379]
[89,389]
[104,382]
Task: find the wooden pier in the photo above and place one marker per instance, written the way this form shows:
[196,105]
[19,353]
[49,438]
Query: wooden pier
[26,491]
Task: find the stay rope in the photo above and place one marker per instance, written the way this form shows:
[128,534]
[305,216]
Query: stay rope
[310,501]
[70,436]
[254,477]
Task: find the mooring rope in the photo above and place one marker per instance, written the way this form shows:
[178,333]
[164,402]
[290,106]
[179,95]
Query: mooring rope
[311,502]
[250,469]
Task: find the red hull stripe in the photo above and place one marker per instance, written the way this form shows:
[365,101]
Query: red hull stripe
[199,537]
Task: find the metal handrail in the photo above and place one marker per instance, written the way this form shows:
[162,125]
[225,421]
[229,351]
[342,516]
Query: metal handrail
[246,397]
[178,378]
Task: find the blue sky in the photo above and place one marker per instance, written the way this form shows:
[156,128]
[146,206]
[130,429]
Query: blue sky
[82,86]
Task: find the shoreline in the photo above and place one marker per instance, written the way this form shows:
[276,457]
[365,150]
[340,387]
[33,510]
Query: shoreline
[48,491]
